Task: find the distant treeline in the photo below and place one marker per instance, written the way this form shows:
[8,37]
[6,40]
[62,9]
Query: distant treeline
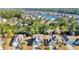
[57,10]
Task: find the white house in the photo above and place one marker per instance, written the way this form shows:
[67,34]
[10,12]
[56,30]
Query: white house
[4,20]
[53,19]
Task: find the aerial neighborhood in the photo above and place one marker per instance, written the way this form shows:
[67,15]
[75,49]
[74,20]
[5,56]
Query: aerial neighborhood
[39,29]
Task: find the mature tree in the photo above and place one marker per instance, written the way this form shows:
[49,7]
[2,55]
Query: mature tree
[73,25]
[63,24]
[34,28]
[9,14]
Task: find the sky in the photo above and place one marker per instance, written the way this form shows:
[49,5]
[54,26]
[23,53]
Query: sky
[39,4]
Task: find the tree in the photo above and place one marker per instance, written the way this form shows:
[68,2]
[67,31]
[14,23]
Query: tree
[9,14]
[63,25]
[34,27]
[73,25]
[7,29]
[45,27]
[18,15]
[3,28]
[38,27]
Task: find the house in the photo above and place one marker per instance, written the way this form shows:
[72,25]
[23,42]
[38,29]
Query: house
[39,17]
[53,19]
[4,20]
[13,21]
[26,16]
